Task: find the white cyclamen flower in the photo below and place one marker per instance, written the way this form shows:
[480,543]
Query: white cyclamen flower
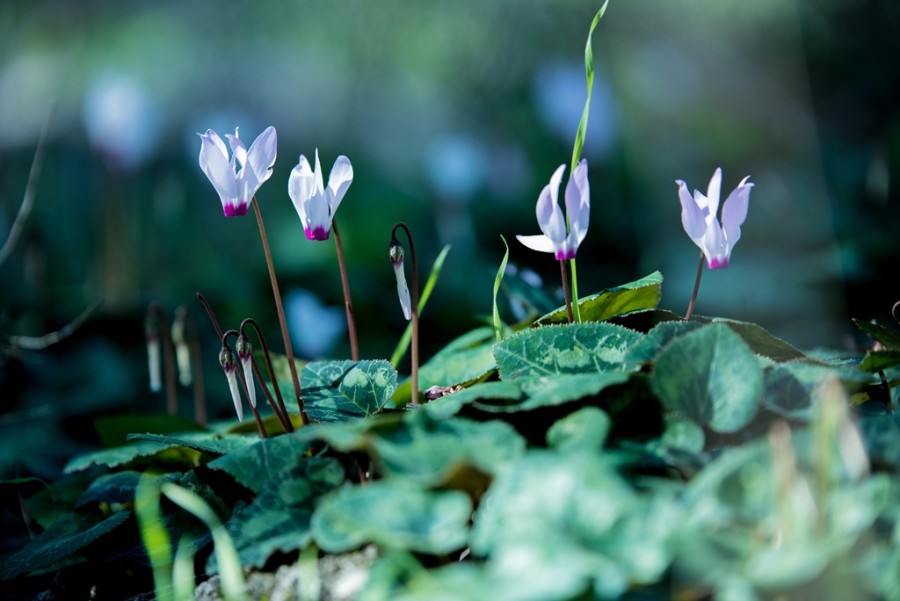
[556,239]
[699,217]
[237,179]
[315,203]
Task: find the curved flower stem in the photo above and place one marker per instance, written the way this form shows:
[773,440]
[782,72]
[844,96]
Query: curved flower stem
[196,368]
[279,409]
[895,311]
[565,285]
[690,309]
[414,353]
[576,309]
[288,350]
[348,304]
[168,358]
[212,316]
[240,372]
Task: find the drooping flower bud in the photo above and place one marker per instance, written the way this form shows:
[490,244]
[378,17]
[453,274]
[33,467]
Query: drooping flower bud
[226,360]
[396,253]
[245,353]
[182,350]
[151,332]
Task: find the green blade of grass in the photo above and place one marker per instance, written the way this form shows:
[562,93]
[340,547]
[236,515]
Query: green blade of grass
[579,136]
[232,575]
[498,324]
[153,535]
[403,344]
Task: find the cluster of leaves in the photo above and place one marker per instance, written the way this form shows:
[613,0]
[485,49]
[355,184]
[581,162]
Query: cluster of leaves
[633,452]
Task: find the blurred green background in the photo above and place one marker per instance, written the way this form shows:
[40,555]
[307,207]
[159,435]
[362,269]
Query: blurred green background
[454,114]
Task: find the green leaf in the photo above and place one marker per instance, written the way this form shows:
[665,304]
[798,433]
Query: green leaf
[397,514]
[589,77]
[639,295]
[646,349]
[570,349]
[711,377]
[253,466]
[451,404]
[761,342]
[210,443]
[62,540]
[791,389]
[544,391]
[113,429]
[342,390]
[117,487]
[403,343]
[55,502]
[142,451]
[889,337]
[464,360]
[498,323]
[876,361]
[585,429]
[429,451]
[278,520]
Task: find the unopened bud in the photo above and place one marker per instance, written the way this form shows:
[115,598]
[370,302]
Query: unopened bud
[245,354]
[396,253]
[226,360]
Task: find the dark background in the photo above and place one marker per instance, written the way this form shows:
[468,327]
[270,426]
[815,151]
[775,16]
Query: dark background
[454,114]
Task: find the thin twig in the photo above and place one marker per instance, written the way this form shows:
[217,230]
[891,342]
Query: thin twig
[280,410]
[37,343]
[37,164]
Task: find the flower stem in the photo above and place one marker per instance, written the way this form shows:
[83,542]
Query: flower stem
[288,350]
[414,353]
[348,304]
[565,285]
[690,309]
[168,358]
[280,410]
[576,309]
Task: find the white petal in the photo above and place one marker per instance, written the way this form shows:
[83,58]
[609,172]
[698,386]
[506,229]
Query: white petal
[578,205]
[692,218]
[403,291]
[214,163]
[247,367]
[540,243]
[301,186]
[713,246]
[734,212]
[320,187]
[340,179]
[713,191]
[239,151]
[549,215]
[262,154]
[235,394]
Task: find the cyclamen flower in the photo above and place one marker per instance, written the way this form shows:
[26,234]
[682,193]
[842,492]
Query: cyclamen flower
[316,204]
[699,216]
[550,218]
[245,353]
[237,180]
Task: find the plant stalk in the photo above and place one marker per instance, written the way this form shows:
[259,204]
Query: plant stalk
[565,285]
[690,309]
[280,410]
[345,284]
[288,350]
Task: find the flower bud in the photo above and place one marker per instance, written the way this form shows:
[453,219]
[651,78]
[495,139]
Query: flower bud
[396,253]
[245,354]
[226,360]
